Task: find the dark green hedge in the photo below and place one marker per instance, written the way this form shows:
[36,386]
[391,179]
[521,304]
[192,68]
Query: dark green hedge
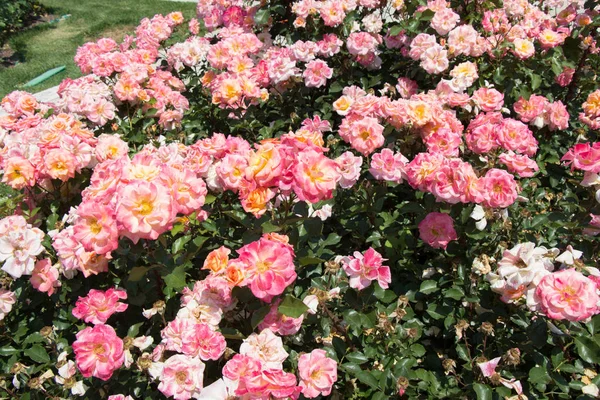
[17,14]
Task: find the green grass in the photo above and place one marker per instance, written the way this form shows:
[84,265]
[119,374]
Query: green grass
[51,45]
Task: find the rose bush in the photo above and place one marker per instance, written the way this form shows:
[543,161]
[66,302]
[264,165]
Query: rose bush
[345,199]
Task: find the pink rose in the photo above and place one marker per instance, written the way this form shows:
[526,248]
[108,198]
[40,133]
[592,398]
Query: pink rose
[7,299]
[96,227]
[366,135]
[317,373]
[437,230]
[389,166]
[269,267]
[98,305]
[45,276]
[567,294]
[488,99]
[98,351]
[182,377]
[202,341]
[317,73]
[349,168]
[558,116]
[584,156]
[500,188]
[144,210]
[515,135]
[315,176]
[519,164]
[363,269]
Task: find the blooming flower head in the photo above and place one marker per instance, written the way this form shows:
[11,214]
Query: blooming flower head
[255,201]
[44,276]
[96,227]
[437,230]
[315,176]
[19,247]
[488,99]
[349,168]
[18,173]
[365,268]
[181,377]
[366,135]
[584,156]
[316,73]
[98,351]
[500,188]
[388,166]
[567,294]
[60,164]
[203,342]
[317,373]
[444,21]
[265,347]
[98,306]
[434,60]
[217,260]
[269,267]
[7,299]
[145,210]
[519,164]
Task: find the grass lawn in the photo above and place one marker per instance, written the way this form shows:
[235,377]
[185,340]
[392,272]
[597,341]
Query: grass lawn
[51,45]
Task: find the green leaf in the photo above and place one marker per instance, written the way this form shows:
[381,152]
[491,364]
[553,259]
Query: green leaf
[137,273]
[310,261]
[33,338]
[209,197]
[594,325]
[395,30]
[37,353]
[176,279]
[357,357]
[536,81]
[134,329]
[427,15]
[199,240]
[262,16]
[259,315]
[380,396]
[454,293]
[335,87]
[418,350]
[483,392]
[367,378]
[292,307]
[428,286]
[539,375]
[180,243]
[8,351]
[177,229]
[588,350]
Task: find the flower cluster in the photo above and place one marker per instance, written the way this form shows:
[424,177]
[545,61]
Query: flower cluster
[526,273]
[591,110]
[138,198]
[267,267]
[439,170]
[37,150]
[540,112]
[134,79]
[88,97]
[20,244]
